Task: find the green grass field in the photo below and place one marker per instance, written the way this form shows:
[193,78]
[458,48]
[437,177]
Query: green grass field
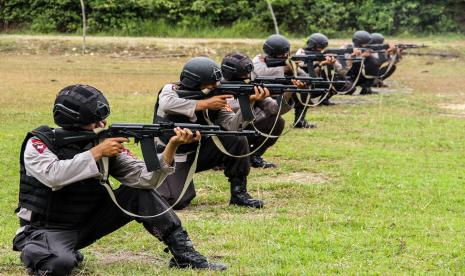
[377,188]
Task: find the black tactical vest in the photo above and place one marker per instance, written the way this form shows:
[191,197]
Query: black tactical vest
[70,206]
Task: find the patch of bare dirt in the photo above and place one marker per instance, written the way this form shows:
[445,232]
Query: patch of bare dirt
[352,99]
[457,110]
[124,47]
[302,178]
[457,107]
[124,256]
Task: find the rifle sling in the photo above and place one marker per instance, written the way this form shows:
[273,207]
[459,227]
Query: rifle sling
[392,61]
[220,145]
[354,83]
[107,184]
[324,97]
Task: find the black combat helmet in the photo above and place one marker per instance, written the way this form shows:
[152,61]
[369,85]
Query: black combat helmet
[234,66]
[79,105]
[317,41]
[199,70]
[377,38]
[276,45]
[361,38]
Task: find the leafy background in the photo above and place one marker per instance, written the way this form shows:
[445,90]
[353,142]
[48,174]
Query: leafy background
[228,18]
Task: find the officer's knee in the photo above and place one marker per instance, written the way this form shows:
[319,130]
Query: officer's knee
[280,123]
[60,265]
[241,144]
[33,256]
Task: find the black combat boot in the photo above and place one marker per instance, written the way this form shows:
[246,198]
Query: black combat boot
[327,102]
[299,113]
[367,91]
[257,161]
[304,124]
[79,256]
[239,195]
[184,254]
[379,83]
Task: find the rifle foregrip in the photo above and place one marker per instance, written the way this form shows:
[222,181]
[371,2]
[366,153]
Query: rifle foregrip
[149,152]
[246,110]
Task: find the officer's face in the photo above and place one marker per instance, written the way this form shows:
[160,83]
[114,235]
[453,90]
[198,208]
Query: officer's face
[286,55]
[209,86]
[93,126]
[245,76]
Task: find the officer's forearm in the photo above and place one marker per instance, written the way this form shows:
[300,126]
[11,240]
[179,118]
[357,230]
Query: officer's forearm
[169,152]
[96,153]
[201,105]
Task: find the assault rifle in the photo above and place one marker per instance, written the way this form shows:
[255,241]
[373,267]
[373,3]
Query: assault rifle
[288,80]
[372,47]
[243,91]
[275,62]
[316,56]
[310,56]
[142,133]
[398,46]
[350,50]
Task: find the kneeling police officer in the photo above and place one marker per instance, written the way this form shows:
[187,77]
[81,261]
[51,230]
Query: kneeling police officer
[203,74]
[62,205]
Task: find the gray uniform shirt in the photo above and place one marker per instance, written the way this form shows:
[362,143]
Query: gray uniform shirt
[269,106]
[260,69]
[41,163]
[169,103]
[337,65]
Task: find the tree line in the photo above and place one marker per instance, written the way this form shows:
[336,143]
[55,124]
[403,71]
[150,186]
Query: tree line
[248,18]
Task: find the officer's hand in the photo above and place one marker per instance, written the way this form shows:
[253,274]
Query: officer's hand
[260,94]
[392,48]
[367,53]
[400,51]
[108,148]
[184,136]
[214,103]
[287,96]
[299,84]
[330,59]
[356,53]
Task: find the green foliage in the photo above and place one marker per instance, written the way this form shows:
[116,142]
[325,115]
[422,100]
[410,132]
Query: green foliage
[245,17]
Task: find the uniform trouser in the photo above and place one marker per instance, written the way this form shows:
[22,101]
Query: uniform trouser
[265,125]
[386,74]
[300,110]
[49,250]
[371,69]
[209,158]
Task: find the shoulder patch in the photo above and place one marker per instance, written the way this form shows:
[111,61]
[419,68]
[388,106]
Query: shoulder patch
[38,145]
[228,108]
[128,152]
